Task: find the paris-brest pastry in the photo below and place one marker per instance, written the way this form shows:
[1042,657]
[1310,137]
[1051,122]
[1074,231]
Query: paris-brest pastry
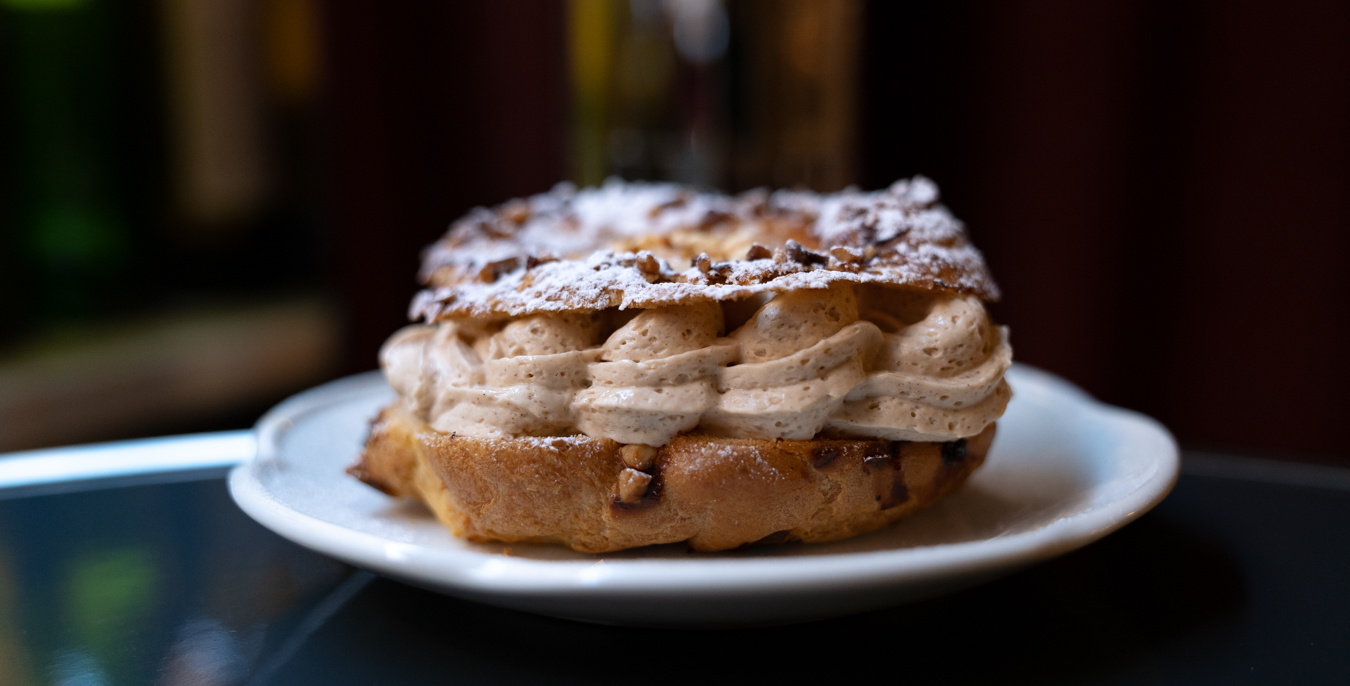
[643,363]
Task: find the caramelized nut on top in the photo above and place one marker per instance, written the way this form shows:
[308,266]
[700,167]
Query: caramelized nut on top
[844,254]
[633,485]
[516,211]
[703,262]
[758,252]
[647,263]
[638,456]
[799,254]
[492,270]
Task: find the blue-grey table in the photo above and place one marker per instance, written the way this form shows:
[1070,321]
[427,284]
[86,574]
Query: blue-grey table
[129,564]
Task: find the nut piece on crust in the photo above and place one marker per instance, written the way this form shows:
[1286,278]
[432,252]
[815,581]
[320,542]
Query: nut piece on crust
[633,485]
[714,493]
[638,456]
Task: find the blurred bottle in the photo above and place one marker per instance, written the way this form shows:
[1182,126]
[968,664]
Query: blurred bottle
[152,151]
[240,79]
[730,94]
[81,157]
[800,62]
[223,171]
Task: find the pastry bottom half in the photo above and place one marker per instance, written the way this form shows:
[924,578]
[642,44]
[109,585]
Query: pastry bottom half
[713,493]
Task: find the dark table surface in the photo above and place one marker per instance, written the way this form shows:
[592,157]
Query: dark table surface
[1239,576]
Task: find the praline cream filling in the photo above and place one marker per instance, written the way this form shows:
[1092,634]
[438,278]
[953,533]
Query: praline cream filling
[848,361]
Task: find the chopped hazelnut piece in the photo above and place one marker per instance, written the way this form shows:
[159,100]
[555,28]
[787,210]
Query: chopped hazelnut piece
[633,485]
[800,254]
[638,456]
[492,270]
[844,254]
[758,252]
[703,262]
[647,263]
[516,211]
[535,260]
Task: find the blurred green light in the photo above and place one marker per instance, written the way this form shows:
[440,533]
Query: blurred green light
[108,595]
[43,5]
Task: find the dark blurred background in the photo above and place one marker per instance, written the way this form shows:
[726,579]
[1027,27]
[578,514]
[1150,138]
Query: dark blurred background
[210,204]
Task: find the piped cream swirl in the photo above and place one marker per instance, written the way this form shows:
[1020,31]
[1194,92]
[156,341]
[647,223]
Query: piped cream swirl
[846,361]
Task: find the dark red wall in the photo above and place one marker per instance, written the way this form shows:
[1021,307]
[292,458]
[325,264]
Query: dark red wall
[1161,188]
[434,107]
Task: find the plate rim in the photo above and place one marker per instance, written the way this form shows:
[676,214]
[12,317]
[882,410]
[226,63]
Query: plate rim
[482,573]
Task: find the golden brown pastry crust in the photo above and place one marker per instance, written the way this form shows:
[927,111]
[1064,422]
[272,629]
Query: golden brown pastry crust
[714,493]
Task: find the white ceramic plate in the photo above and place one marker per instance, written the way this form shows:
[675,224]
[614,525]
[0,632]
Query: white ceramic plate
[1064,471]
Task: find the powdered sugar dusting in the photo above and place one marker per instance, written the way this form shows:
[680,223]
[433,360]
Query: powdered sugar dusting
[627,245]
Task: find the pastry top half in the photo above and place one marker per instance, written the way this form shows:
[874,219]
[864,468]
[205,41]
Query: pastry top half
[644,245]
[640,312]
